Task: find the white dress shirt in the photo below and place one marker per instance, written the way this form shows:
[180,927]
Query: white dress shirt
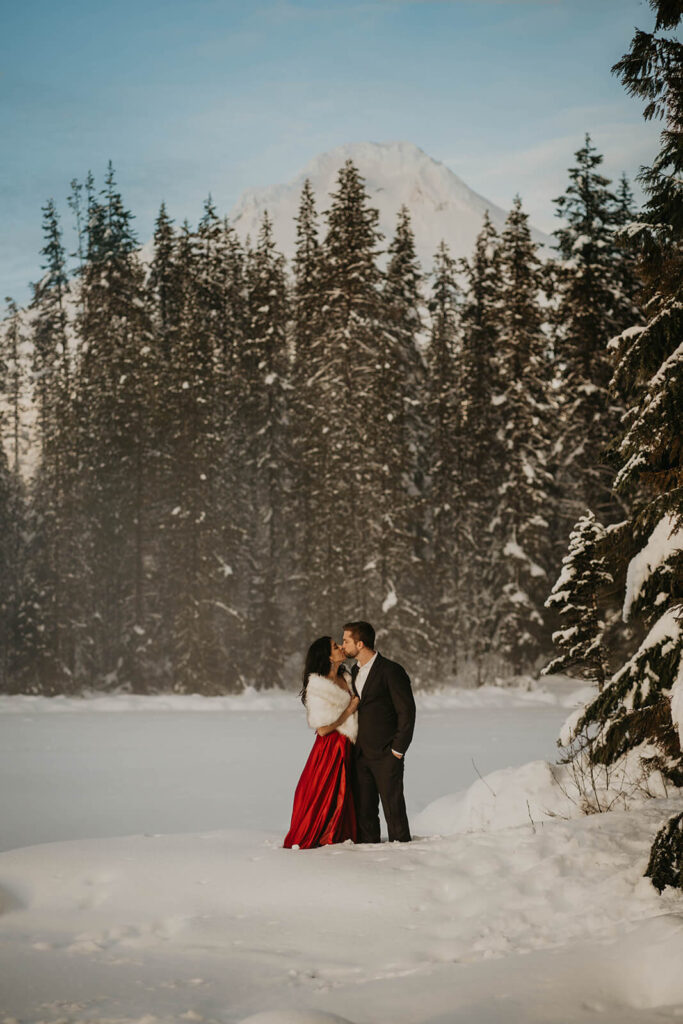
[363,674]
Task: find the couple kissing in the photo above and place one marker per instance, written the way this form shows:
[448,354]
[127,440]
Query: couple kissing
[364,721]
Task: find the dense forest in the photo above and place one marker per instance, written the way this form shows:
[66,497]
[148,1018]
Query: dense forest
[232,455]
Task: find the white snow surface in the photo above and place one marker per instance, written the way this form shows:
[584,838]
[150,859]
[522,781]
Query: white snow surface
[520,919]
[441,205]
[560,691]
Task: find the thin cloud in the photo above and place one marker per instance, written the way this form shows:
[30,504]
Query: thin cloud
[539,171]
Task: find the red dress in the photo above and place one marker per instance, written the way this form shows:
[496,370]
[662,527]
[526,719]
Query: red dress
[323,803]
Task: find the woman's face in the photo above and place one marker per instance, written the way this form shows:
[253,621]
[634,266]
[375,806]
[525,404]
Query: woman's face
[336,654]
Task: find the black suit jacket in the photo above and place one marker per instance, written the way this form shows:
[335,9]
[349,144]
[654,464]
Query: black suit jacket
[386,714]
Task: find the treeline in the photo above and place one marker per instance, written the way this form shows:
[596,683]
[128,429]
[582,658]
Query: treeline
[235,456]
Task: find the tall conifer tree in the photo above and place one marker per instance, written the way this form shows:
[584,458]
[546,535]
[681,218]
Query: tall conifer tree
[114,393]
[576,594]
[520,526]
[309,413]
[352,479]
[447,517]
[266,462]
[53,548]
[640,708]
[483,453]
[197,558]
[402,392]
[594,300]
[16,639]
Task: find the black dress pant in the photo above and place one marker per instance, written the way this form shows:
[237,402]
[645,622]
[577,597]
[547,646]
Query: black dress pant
[378,779]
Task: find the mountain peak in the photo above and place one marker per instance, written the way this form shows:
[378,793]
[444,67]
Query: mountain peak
[441,205]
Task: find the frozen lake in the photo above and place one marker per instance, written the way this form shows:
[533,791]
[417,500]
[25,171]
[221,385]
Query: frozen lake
[88,774]
[143,879]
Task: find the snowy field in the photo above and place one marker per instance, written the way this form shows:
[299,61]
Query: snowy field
[142,877]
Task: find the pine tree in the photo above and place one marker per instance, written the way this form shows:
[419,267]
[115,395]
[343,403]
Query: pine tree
[576,595]
[520,527]
[12,503]
[637,712]
[401,382]
[307,305]
[665,866]
[162,283]
[266,457]
[75,202]
[234,509]
[483,455]
[9,577]
[626,270]
[53,547]
[194,551]
[650,366]
[447,514]
[349,408]
[307,416]
[13,342]
[594,296]
[164,298]
[114,396]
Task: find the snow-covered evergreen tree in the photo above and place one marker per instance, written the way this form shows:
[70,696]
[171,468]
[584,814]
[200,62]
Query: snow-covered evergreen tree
[308,437]
[266,461]
[195,551]
[576,596]
[50,345]
[52,549]
[665,866]
[594,299]
[12,360]
[234,511]
[640,709]
[352,478]
[114,396]
[162,282]
[626,269]
[483,455]
[447,518]
[520,527]
[15,638]
[307,300]
[10,639]
[402,439]
[75,203]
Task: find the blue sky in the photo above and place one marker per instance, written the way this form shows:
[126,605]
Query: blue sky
[188,97]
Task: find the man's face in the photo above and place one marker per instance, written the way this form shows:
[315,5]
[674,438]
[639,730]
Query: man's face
[351,648]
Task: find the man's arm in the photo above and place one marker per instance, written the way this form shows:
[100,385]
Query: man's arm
[402,698]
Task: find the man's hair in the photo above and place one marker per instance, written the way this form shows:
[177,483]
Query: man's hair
[361,631]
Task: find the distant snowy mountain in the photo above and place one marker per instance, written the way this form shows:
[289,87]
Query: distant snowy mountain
[441,205]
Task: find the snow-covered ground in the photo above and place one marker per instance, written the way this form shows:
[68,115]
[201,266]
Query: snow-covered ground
[195,912]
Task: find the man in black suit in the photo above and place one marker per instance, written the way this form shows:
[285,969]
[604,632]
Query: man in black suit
[386,719]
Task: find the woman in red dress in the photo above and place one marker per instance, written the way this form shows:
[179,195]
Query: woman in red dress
[323,803]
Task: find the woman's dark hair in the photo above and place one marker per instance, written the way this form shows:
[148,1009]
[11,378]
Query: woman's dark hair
[318,661]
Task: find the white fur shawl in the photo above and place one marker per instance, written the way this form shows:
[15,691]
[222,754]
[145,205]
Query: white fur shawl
[324,704]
